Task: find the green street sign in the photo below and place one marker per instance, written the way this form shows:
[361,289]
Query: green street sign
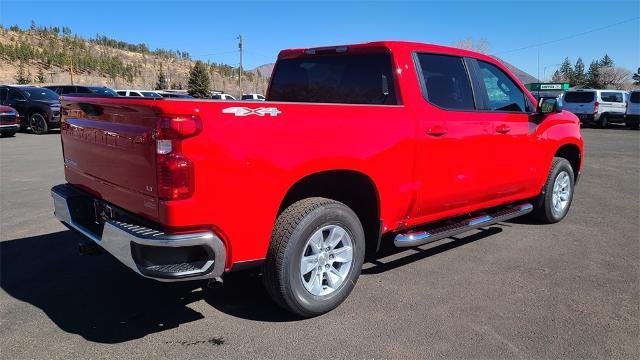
[547,86]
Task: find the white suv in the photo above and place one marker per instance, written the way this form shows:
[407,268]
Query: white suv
[632,118]
[139,93]
[600,107]
[222,96]
[253,97]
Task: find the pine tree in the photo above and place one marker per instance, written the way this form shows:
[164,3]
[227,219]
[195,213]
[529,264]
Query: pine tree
[199,84]
[21,78]
[593,75]
[566,70]
[40,78]
[161,84]
[606,61]
[579,77]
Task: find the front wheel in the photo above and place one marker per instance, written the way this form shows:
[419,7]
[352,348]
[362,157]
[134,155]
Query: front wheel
[315,256]
[38,124]
[557,193]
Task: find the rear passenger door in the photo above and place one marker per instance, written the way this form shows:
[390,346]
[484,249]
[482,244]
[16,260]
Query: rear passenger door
[454,153]
[514,165]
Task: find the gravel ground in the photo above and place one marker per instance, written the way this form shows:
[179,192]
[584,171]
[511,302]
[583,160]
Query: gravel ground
[514,290]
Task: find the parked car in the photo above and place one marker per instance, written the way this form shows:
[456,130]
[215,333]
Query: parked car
[222,97]
[596,107]
[253,97]
[357,144]
[39,108]
[174,95]
[80,89]
[9,121]
[632,117]
[139,93]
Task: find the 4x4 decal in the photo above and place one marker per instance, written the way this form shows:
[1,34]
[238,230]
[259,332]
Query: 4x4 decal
[245,111]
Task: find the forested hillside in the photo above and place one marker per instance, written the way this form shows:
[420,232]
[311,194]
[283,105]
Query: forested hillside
[44,55]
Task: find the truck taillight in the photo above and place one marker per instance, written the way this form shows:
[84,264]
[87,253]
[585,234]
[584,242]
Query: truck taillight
[595,107]
[174,170]
[175,177]
[178,127]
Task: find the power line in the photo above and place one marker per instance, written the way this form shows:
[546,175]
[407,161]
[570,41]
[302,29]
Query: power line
[570,36]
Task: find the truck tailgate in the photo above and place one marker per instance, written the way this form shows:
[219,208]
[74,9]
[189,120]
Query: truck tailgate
[109,151]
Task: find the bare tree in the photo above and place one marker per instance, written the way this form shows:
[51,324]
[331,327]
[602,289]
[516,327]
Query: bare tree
[613,77]
[482,45]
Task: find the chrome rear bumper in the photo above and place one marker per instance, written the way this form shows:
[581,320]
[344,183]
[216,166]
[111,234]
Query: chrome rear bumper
[121,239]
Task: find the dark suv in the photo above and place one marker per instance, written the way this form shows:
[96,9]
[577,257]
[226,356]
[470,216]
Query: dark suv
[80,89]
[39,108]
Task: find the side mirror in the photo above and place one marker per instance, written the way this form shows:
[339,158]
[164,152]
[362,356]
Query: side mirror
[548,105]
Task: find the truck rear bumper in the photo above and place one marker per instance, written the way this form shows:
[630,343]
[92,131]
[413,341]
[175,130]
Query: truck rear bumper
[149,252]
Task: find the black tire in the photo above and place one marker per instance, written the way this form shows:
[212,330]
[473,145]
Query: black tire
[544,210]
[293,229]
[8,134]
[633,126]
[604,122]
[38,124]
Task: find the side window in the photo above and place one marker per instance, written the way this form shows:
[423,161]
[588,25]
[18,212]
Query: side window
[82,90]
[67,90]
[612,97]
[503,94]
[217,97]
[15,95]
[122,93]
[3,95]
[446,81]
[134,94]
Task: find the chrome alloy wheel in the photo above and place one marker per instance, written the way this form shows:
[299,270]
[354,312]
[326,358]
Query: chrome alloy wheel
[326,260]
[561,193]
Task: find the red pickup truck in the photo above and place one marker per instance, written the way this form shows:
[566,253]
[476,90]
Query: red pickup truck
[414,141]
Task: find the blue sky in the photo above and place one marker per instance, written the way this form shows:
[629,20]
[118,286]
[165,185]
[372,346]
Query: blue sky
[208,29]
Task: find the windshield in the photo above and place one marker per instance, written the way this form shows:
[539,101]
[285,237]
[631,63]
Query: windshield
[635,97]
[40,94]
[103,91]
[579,96]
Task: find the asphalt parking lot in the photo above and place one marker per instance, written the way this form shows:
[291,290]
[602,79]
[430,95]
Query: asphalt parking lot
[514,290]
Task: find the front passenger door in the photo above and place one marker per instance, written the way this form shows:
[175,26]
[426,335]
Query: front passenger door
[515,157]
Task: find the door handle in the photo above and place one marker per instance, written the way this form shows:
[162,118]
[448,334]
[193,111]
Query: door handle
[503,128]
[437,130]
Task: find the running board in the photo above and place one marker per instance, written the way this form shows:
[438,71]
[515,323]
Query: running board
[416,238]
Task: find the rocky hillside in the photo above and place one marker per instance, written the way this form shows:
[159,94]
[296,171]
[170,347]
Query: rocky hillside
[42,55]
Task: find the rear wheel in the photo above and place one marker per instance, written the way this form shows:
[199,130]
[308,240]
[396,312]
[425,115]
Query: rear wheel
[38,124]
[315,256]
[557,193]
[604,121]
[8,134]
[634,126]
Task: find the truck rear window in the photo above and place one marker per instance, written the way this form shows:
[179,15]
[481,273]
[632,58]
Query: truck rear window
[347,79]
[635,97]
[579,96]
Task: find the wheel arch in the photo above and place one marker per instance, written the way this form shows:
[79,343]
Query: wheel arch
[353,188]
[572,153]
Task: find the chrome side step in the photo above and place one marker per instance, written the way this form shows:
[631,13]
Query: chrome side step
[416,238]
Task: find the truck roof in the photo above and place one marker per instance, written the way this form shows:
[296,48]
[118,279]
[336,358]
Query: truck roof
[390,45]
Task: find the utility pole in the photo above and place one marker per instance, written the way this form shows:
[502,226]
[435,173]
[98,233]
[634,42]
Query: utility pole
[70,57]
[240,69]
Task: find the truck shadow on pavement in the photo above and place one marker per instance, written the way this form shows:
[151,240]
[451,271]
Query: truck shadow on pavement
[103,301]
